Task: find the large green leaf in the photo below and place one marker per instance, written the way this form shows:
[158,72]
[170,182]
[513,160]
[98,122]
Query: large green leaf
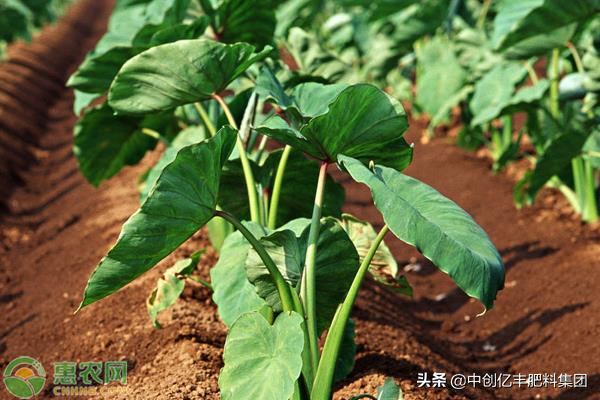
[83,100]
[179,73]
[518,20]
[233,293]
[361,121]
[105,143]
[441,230]
[251,21]
[335,267]
[495,91]
[182,201]
[262,361]
[526,97]
[439,76]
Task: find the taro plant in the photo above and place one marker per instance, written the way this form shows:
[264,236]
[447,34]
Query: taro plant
[281,283]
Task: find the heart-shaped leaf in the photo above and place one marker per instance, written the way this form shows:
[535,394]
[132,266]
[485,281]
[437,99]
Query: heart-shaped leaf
[335,267]
[262,361]
[183,200]
[362,121]
[442,231]
[518,20]
[179,73]
[105,143]
[232,291]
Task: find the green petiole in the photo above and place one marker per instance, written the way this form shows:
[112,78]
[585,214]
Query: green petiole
[277,187]
[308,285]
[205,119]
[326,369]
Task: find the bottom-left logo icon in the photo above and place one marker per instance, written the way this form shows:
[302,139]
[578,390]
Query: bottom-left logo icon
[24,377]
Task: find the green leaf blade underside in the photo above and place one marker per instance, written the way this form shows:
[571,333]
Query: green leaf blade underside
[182,201]
[105,143]
[262,361]
[232,292]
[442,231]
[179,73]
[362,121]
[518,20]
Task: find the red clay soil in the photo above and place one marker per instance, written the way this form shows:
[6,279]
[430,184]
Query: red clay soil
[55,227]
